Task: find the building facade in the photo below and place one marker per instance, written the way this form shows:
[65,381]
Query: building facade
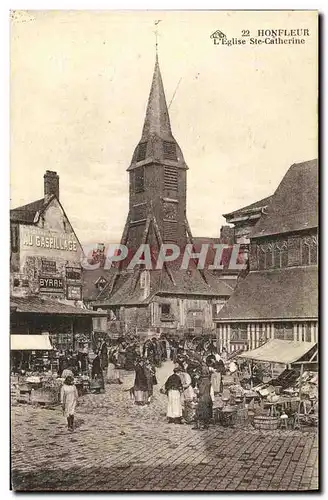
[279,296]
[46,273]
[244,220]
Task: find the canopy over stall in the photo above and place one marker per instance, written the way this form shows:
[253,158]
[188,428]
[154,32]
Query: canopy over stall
[284,352]
[30,343]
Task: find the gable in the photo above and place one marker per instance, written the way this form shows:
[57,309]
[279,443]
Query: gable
[53,218]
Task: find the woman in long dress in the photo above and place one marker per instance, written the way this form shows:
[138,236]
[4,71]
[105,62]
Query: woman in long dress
[189,396]
[140,384]
[68,399]
[173,389]
[113,372]
[217,376]
[205,402]
[96,371]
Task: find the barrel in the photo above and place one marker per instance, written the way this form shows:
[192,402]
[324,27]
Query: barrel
[265,423]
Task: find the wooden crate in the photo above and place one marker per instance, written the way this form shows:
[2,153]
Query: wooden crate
[24,397]
[44,396]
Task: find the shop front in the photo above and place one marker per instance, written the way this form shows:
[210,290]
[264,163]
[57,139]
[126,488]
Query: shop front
[69,328]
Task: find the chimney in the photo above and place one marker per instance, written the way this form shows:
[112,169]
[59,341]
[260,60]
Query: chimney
[51,184]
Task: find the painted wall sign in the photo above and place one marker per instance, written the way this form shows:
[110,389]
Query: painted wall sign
[48,240]
[48,245]
[74,292]
[51,284]
[48,266]
[73,273]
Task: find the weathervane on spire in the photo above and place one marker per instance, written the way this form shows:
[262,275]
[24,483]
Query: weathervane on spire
[156,23]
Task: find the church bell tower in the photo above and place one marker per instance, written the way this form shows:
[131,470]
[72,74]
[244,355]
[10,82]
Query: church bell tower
[157,197]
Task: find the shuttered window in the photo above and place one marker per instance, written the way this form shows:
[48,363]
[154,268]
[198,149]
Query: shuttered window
[139,212]
[170,150]
[170,231]
[141,153]
[139,179]
[171,178]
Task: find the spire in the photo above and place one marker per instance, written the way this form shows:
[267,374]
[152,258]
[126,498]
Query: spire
[157,121]
[157,144]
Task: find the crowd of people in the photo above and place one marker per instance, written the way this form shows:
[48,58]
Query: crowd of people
[197,376]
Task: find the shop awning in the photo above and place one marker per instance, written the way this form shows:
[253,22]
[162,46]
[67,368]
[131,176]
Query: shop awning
[279,351]
[41,305]
[30,343]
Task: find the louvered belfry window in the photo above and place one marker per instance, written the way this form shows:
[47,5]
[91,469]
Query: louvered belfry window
[171,178]
[170,231]
[142,150]
[139,179]
[170,150]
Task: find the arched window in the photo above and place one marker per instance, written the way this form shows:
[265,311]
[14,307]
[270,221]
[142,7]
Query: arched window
[261,257]
[280,254]
[276,256]
[284,255]
[269,256]
[306,251]
[314,250]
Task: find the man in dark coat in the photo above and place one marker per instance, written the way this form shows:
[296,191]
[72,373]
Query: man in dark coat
[104,355]
[96,367]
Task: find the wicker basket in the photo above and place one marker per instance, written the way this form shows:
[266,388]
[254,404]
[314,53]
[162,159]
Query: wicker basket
[242,417]
[265,423]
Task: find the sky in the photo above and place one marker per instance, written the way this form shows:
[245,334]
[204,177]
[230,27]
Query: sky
[80,81]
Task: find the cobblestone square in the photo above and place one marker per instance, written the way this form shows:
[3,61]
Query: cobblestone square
[120,446]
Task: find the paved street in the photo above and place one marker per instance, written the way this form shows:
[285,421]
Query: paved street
[119,446]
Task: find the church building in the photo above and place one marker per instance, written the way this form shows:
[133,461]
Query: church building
[167,299]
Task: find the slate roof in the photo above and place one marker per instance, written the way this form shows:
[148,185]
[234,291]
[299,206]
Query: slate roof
[39,305]
[290,293]
[127,289]
[294,205]
[26,213]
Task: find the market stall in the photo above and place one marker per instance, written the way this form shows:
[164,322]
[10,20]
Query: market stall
[36,380]
[290,397]
[30,356]
[30,352]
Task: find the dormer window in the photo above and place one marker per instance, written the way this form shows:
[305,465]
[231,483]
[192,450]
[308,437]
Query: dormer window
[101,283]
[170,150]
[141,152]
